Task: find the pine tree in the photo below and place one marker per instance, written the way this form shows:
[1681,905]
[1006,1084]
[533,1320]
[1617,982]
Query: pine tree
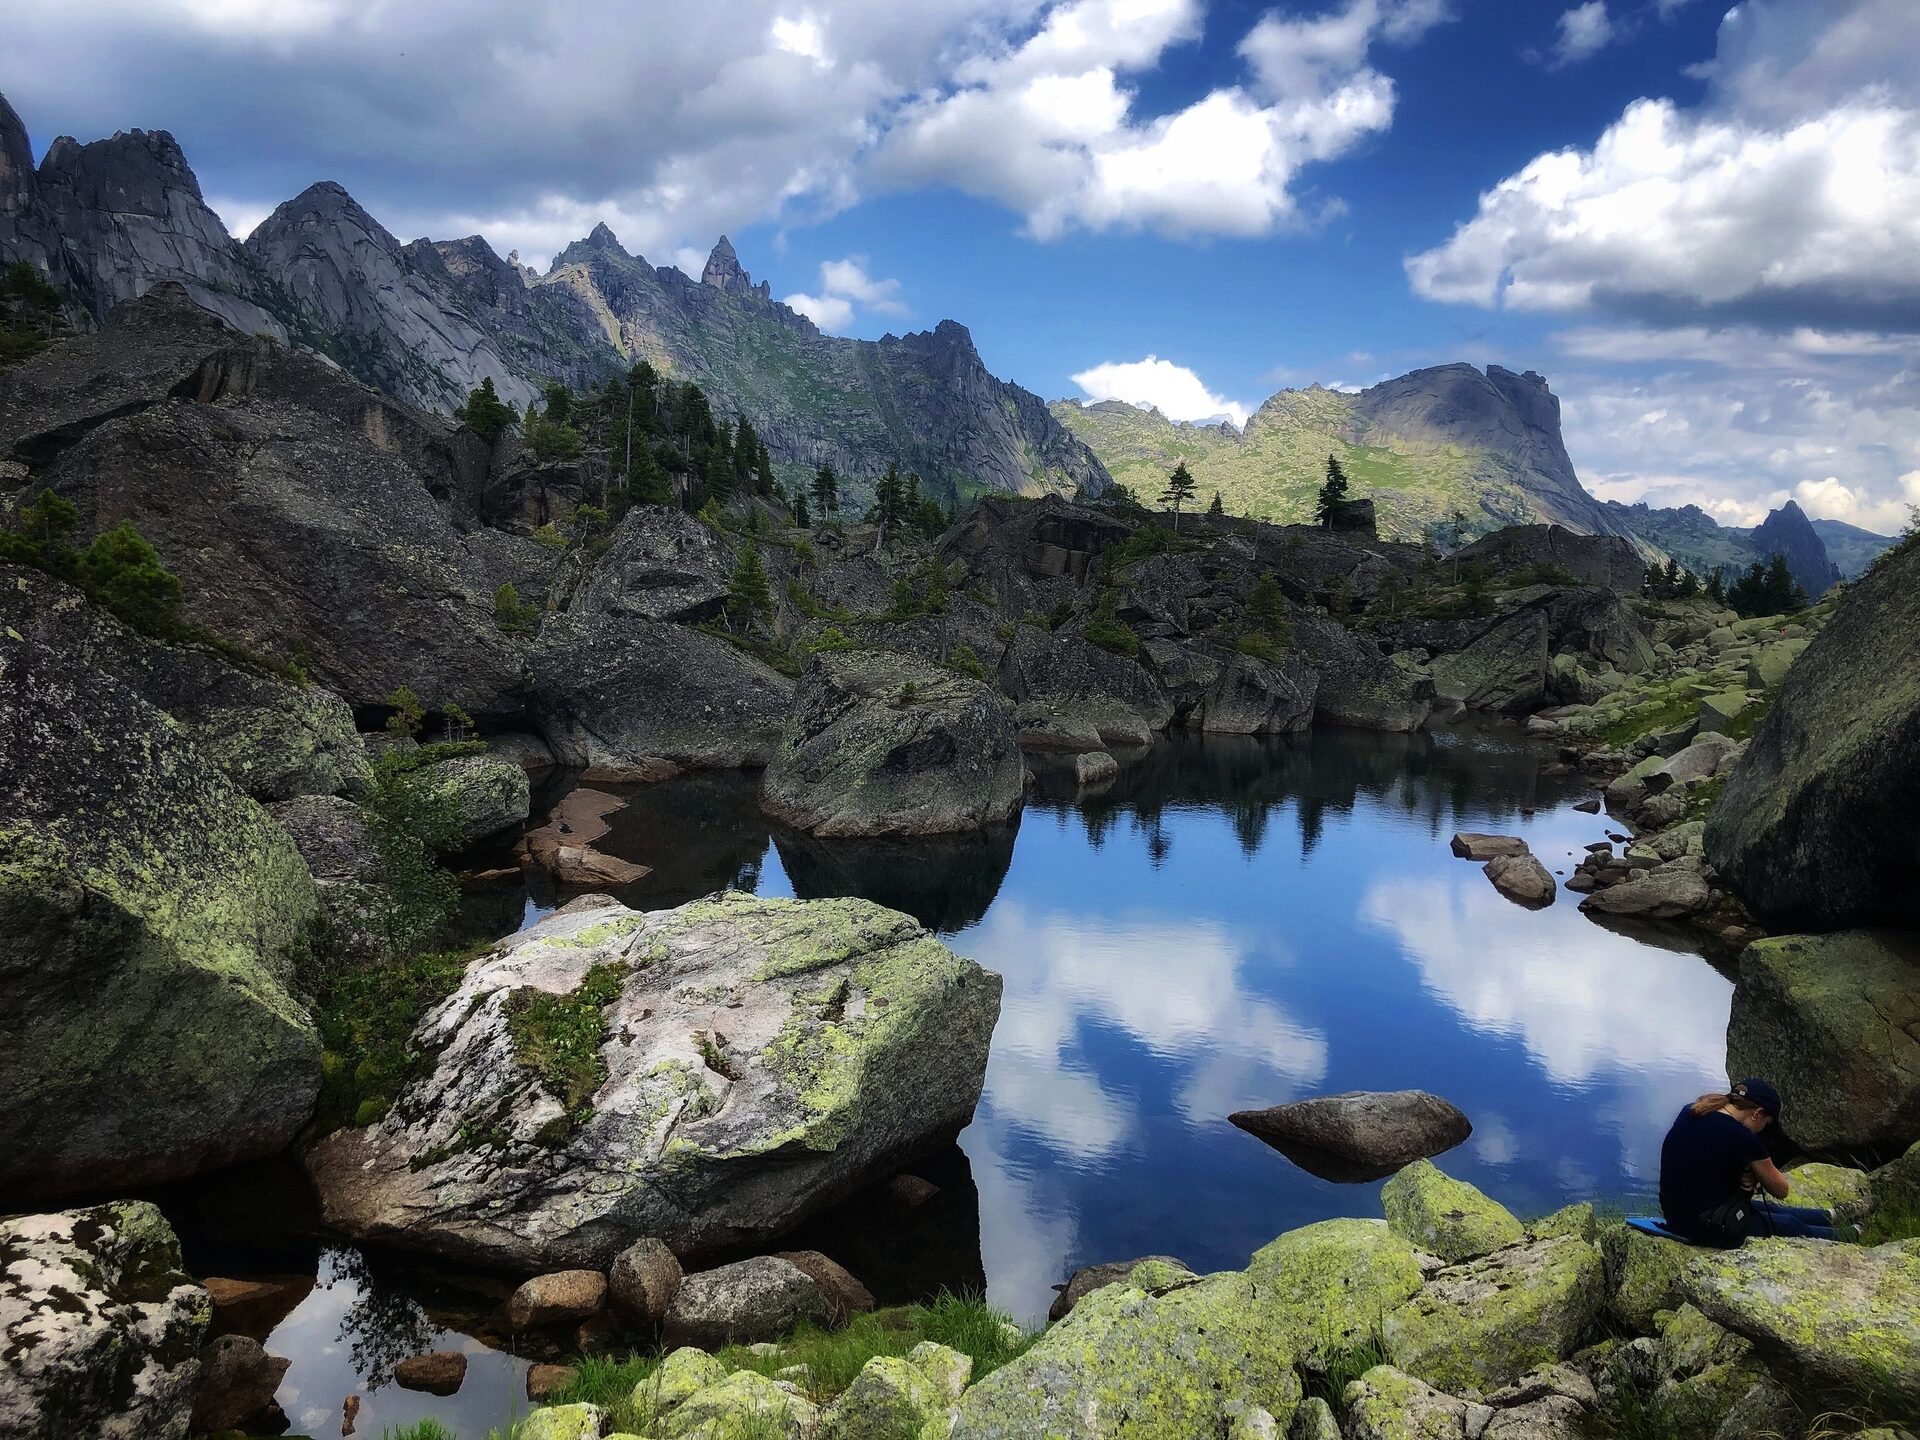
[1216,510]
[486,414]
[1717,585]
[749,596]
[1333,492]
[1180,488]
[889,500]
[826,492]
[800,516]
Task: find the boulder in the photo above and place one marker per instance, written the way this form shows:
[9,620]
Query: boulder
[149,917]
[1095,767]
[762,1059]
[888,1398]
[1446,1217]
[620,695]
[1358,685]
[744,1403]
[581,867]
[255,1304]
[100,1329]
[1312,1421]
[1479,1326]
[1608,561]
[643,1281]
[1818,824]
[883,744]
[563,1297]
[1835,1317]
[743,1303]
[1834,1022]
[441,1372]
[1643,1275]
[845,1296]
[661,564]
[1089,1278]
[1827,1185]
[1060,681]
[1522,879]
[481,796]
[562,1422]
[273,739]
[1578,1219]
[1671,891]
[334,836]
[529,752]
[1471,846]
[545,1380]
[683,1372]
[1251,696]
[948,1368]
[1770,663]
[1378,1131]
[1503,669]
[1389,1404]
[237,1384]
[1719,714]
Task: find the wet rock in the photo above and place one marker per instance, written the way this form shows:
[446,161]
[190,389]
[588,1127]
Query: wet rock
[1479,1326]
[1094,768]
[771,1055]
[1670,891]
[151,911]
[236,1388]
[440,1372]
[254,1305]
[845,1295]
[1522,879]
[882,744]
[100,1328]
[559,1298]
[1839,1317]
[1471,846]
[546,1379]
[1378,1130]
[750,1300]
[1836,1021]
[643,1281]
[1089,1278]
[1444,1216]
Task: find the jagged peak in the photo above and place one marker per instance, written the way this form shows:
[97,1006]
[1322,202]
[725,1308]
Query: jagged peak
[724,271]
[602,237]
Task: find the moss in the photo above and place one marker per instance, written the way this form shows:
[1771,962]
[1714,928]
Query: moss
[367,1019]
[557,1039]
[1444,1216]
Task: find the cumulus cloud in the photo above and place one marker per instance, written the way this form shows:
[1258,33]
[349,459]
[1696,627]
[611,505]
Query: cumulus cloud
[845,288]
[1789,197]
[1174,390]
[1584,31]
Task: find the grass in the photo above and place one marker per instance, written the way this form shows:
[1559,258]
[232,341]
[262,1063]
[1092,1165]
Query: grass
[1343,1364]
[1112,636]
[366,1018]
[428,1429]
[557,1038]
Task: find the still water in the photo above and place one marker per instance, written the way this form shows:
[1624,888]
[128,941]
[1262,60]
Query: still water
[1231,923]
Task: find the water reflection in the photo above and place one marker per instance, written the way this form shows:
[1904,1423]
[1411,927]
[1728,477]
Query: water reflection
[946,882]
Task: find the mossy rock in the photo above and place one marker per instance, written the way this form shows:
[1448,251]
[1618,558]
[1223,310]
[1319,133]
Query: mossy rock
[1325,1286]
[1697,1406]
[887,1399]
[948,1369]
[562,1422]
[1826,1186]
[1643,1275]
[1479,1326]
[1578,1220]
[743,1402]
[1446,1217]
[683,1372]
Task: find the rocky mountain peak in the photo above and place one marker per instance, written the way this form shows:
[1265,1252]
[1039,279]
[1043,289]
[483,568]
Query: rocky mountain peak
[1787,532]
[139,169]
[601,237]
[724,272]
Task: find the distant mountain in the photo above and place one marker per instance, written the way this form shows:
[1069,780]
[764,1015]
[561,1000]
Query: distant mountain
[1698,542]
[1423,446]
[427,321]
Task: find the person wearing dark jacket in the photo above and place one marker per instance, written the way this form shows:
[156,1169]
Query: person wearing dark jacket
[1712,1163]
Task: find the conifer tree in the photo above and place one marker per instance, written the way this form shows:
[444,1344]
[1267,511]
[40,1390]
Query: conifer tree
[826,492]
[1216,510]
[749,596]
[1333,492]
[800,516]
[1180,488]
[486,414]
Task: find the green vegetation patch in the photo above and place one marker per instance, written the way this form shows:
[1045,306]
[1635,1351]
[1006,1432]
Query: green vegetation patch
[367,1017]
[557,1038]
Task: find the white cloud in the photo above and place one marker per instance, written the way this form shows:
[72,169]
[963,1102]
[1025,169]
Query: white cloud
[1791,196]
[1584,32]
[1173,390]
[846,286]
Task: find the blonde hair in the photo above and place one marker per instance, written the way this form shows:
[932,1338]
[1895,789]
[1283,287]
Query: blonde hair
[1709,1103]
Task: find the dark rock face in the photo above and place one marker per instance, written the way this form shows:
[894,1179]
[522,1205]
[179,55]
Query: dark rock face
[881,744]
[1375,1131]
[723,272]
[1359,686]
[1252,696]
[237,1382]
[1064,685]
[148,915]
[1787,532]
[1609,561]
[26,229]
[1353,517]
[1818,825]
[1028,557]
[663,565]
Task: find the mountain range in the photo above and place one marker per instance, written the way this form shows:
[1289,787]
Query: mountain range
[426,321]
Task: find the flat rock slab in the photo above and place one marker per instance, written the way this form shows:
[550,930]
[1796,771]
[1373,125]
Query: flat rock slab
[1470,845]
[1522,879]
[1375,1131]
[439,1373]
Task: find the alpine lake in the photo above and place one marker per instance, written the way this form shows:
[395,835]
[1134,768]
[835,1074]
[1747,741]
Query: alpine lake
[1229,924]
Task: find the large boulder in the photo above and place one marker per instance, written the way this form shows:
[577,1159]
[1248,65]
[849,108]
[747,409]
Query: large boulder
[1089,1278]
[643,1281]
[744,1303]
[100,1329]
[274,739]
[1252,696]
[1062,683]
[745,1403]
[1818,825]
[1834,1021]
[884,744]
[661,564]
[1834,1317]
[889,1397]
[620,695]
[1522,879]
[1359,686]
[238,1379]
[1445,1216]
[757,1060]
[149,918]
[478,794]
[1530,551]
[1479,1326]
[1505,668]
[1378,1131]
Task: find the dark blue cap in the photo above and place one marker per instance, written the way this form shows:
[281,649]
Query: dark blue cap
[1760,1093]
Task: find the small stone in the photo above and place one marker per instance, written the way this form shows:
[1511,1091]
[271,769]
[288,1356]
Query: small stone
[437,1373]
[560,1298]
[1469,845]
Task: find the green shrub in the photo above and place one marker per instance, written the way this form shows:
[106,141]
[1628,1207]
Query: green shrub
[511,613]
[1111,635]
[408,714]
[966,661]
[550,537]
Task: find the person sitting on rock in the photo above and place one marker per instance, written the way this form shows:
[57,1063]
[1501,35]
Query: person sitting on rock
[1713,1161]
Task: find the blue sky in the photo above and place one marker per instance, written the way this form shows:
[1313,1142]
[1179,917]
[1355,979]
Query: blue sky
[1701,222]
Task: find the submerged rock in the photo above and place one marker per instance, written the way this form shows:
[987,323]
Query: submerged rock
[100,1329]
[1834,1021]
[1376,1131]
[149,917]
[761,1059]
[237,1383]
[883,744]
[1444,1216]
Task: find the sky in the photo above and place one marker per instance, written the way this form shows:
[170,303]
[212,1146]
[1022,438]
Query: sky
[1700,222]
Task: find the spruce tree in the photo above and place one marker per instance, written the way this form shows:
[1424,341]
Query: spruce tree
[1180,488]
[749,596]
[1333,492]
[1216,510]
[826,492]
[800,516]
[486,414]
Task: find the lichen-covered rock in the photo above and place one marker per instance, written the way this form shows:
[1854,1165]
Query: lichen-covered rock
[947,1368]
[1895,1186]
[744,1303]
[888,1398]
[149,914]
[1063,684]
[1576,1219]
[762,1058]
[1837,1317]
[100,1329]
[1329,1284]
[1826,1185]
[1130,1364]
[481,796]
[683,1372]
[1314,1421]
[643,1281]
[743,1404]
[1379,1131]
[562,1422]
[661,564]
[1089,1278]
[1484,1324]
[885,744]
[1643,1275]
[1834,1021]
[1251,696]
[1446,1217]
[1389,1404]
